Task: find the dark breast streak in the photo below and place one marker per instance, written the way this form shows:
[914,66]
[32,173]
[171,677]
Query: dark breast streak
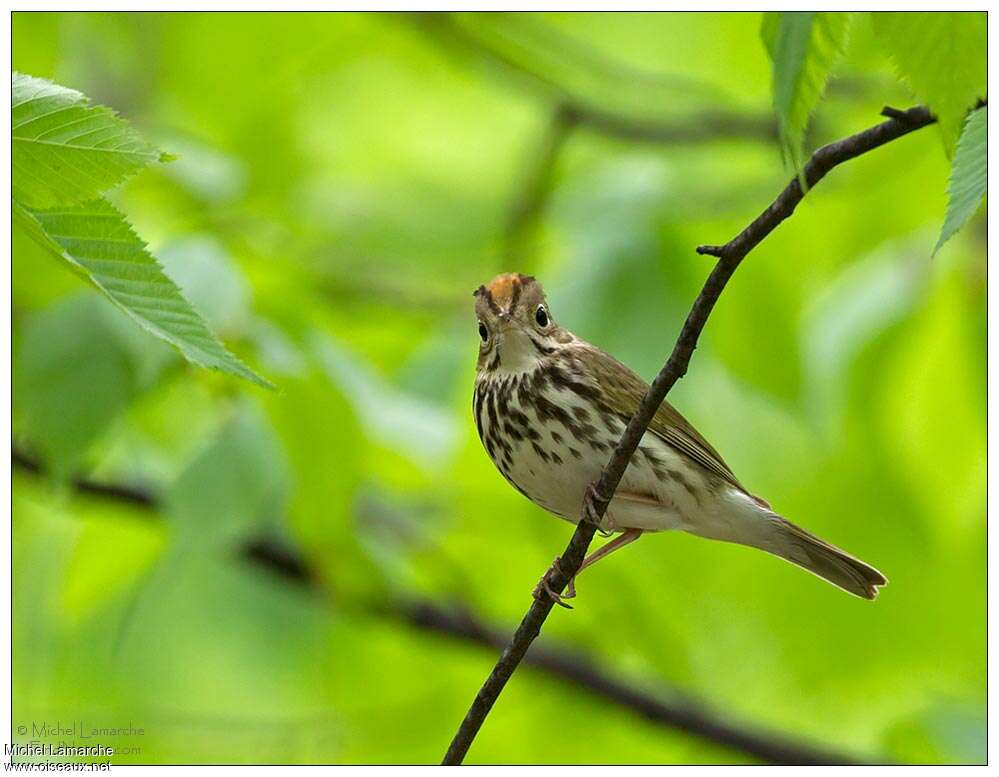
[487,397]
[503,407]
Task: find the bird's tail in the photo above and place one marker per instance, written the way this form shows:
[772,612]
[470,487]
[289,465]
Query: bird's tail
[756,525]
[827,561]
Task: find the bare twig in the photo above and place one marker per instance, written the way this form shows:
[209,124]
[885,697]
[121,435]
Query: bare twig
[665,707]
[729,256]
[895,113]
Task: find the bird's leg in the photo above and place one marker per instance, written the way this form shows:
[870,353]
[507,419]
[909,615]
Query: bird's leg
[626,538]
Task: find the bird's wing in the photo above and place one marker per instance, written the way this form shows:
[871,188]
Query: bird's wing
[625,390]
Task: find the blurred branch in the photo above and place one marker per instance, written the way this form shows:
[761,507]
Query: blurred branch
[569,112]
[704,127]
[523,30]
[700,127]
[531,197]
[122,493]
[357,287]
[529,201]
[730,255]
[666,708]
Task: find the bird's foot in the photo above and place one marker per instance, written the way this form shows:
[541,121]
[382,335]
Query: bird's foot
[544,587]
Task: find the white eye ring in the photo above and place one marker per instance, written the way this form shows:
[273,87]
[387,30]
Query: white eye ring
[541,316]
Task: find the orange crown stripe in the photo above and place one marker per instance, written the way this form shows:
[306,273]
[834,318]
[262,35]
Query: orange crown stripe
[505,288]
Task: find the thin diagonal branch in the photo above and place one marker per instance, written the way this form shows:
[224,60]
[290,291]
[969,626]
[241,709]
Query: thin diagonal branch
[665,707]
[729,256]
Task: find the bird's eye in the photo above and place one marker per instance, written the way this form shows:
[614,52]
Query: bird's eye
[483,332]
[541,316]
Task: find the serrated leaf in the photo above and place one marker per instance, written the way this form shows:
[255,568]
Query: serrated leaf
[943,57]
[100,246]
[968,175]
[64,150]
[804,47]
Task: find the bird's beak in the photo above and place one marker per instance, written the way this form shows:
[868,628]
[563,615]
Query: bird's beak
[506,320]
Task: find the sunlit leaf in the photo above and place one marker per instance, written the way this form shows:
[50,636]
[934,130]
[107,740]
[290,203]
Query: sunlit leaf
[99,245]
[968,175]
[853,309]
[65,150]
[943,57]
[804,46]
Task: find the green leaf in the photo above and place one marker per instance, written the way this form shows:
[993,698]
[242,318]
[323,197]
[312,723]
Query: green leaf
[968,175]
[804,47]
[73,377]
[406,423]
[100,246]
[65,150]
[321,513]
[211,280]
[234,484]
[943,58]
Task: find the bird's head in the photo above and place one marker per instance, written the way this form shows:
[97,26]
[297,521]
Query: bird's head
[516,329]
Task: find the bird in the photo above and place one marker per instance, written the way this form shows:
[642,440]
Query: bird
[549,409]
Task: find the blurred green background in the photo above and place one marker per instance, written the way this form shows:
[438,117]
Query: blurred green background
[344,181]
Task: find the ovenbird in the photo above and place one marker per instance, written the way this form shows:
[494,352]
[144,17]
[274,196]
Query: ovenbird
[550,408]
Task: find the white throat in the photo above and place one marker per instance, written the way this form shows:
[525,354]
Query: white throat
[517,352]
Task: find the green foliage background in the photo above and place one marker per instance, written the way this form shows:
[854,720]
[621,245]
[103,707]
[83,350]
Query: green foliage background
[342,184]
